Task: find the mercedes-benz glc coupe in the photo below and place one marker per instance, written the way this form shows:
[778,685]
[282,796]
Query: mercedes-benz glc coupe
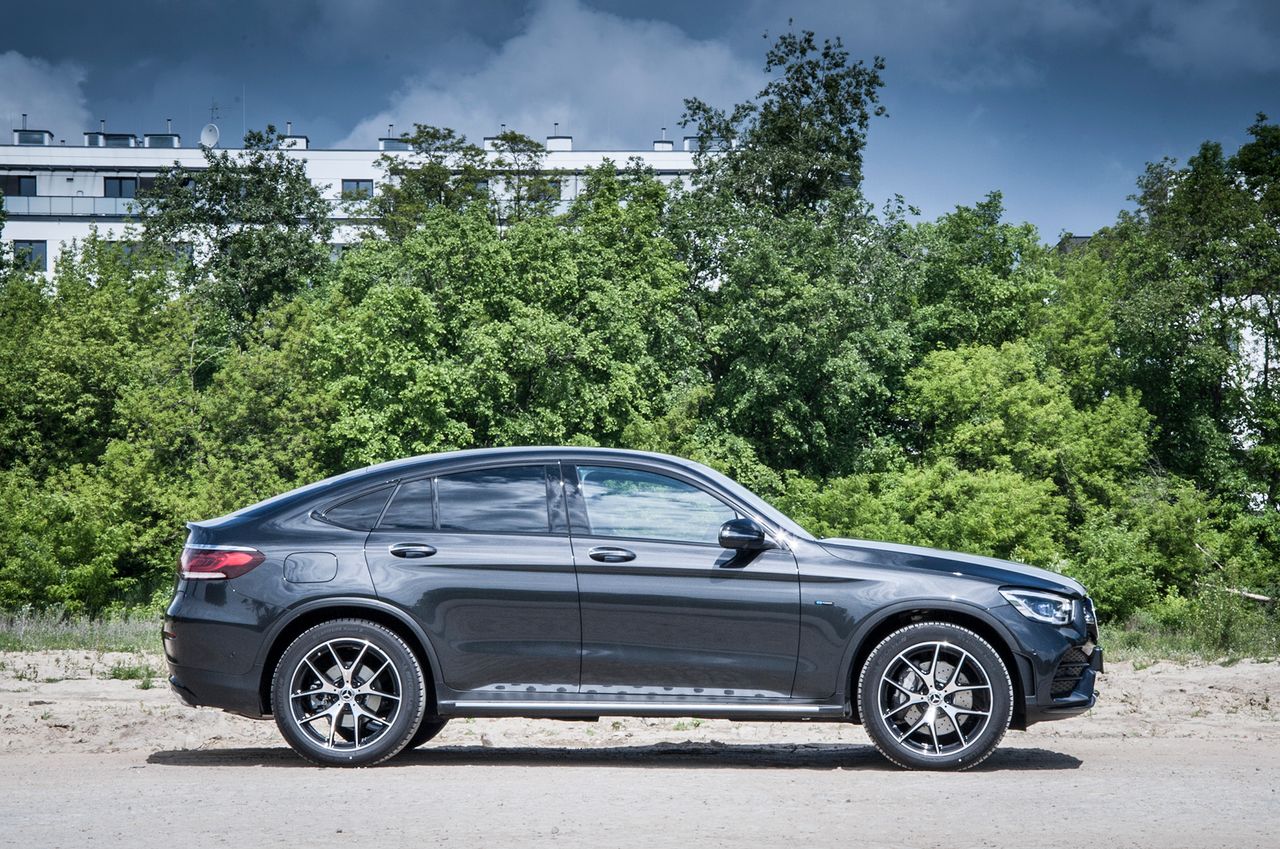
[365,611]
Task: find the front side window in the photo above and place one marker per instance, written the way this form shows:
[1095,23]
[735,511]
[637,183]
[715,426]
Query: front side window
[645,505]
[506,500]
[357,189]
[119,187]
[33,254]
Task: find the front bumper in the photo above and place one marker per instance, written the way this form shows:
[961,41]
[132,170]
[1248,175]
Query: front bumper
[1058,666]
[1081,697]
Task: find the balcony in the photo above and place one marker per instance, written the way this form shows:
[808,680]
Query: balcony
[60,205]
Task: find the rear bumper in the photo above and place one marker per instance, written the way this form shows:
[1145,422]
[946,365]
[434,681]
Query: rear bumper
[202,688]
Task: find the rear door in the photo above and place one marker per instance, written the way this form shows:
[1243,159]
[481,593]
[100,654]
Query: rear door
[665,609]
[482,558]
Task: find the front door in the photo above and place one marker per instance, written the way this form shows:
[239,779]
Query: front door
[665,609]
[482,558]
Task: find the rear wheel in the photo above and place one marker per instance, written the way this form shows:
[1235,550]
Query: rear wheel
[348,693]
[934,695]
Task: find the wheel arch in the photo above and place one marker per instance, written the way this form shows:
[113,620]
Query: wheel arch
[968,616]
[308,616]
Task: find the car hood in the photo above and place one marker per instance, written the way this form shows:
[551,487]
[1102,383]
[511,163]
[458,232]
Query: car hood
[1002,572]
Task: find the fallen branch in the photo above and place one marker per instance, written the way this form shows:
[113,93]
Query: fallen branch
[1246,594]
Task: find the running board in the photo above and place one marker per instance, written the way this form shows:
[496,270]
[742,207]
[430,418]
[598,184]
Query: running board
[505,707]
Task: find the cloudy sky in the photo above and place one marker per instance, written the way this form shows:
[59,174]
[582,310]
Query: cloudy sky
[1058,103]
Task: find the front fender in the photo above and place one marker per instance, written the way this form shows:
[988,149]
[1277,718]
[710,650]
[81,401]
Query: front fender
[885,620]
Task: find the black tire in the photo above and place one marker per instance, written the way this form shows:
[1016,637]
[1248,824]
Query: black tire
[427,730]
[348,693]
[953,723]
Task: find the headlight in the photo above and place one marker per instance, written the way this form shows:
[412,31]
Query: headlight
[1042,607]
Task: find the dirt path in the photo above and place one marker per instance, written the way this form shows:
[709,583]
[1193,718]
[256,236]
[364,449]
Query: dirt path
[1177,756]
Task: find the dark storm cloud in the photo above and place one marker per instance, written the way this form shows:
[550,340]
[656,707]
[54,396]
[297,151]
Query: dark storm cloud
[1057,102]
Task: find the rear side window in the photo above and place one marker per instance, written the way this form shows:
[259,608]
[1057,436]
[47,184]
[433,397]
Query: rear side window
[361,512]
[412,506]
[507,500]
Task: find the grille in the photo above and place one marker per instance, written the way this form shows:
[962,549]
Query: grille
[1070,668]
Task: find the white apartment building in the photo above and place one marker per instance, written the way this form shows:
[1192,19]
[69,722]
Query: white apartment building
[55,193]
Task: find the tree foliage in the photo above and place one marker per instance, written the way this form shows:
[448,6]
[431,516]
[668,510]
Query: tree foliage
[253,223]
[1112,413]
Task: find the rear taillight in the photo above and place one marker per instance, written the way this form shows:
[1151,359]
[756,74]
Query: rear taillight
[216,562]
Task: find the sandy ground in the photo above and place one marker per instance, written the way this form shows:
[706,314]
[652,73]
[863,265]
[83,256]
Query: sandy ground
[1174,755]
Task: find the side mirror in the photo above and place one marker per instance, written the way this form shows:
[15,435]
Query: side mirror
[744,535]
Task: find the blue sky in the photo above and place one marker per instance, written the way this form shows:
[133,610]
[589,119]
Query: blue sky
[1057,104]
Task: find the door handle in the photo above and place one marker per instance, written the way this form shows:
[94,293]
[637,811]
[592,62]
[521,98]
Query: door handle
[411,550]
[609,554]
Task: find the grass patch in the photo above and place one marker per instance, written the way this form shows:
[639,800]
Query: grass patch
[127,631]
[131,672]
[1224,636]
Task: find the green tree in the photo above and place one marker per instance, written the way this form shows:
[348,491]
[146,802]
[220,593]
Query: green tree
[800,141]
[441,169]
[809,336]
[983,279]
[256,226]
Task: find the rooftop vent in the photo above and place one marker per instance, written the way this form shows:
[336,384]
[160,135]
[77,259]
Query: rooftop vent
[291,142]
[100,139]
[559,143]
[388,143]
[44,138]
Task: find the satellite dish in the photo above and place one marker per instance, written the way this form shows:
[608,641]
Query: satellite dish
[209,136]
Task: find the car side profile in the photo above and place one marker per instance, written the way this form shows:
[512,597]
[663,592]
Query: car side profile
[365,611]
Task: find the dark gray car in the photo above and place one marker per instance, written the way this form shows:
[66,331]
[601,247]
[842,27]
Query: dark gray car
[365,611]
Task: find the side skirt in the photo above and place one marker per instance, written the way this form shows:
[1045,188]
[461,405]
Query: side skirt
[553,709]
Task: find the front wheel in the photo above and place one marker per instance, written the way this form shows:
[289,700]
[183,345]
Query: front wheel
[934,695]
[348,693]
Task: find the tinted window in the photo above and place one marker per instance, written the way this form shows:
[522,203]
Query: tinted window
[509,500]
[119,187]
[357,189]
[632,503]
[360,512]
[33,254]
[412,507]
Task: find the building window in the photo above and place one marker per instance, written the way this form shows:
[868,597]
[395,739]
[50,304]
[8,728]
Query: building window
[20,186]
[34,255]
[357,189]
[120,187]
